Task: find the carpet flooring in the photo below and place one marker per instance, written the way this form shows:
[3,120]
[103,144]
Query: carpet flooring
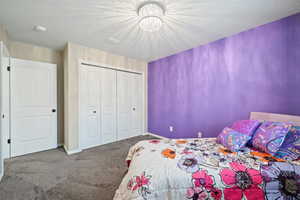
[93,174]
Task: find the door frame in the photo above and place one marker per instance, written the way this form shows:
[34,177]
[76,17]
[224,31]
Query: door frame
[6,136]
[3,114]
[106,66]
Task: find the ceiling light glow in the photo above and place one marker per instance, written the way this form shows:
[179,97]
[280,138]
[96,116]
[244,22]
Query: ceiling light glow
[151,14]
[39,28]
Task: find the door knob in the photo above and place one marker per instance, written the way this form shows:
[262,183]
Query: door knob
[133,109]
[94,111]
[54,110]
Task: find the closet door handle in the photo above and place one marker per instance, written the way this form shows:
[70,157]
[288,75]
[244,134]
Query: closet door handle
[94,111]
[53,110]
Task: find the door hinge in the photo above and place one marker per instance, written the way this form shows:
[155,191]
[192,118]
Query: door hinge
[8,68]
[9,141]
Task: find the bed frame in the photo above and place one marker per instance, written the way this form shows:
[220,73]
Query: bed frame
[261,116]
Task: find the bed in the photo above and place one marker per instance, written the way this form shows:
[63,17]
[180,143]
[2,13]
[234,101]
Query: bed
[178,169]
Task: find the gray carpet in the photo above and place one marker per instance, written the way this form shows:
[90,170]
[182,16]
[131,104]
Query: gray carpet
[93,174]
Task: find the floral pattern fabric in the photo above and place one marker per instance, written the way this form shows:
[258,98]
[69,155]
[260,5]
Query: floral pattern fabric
[233,140]
[189,163]
[140,184]
[270,136]
[202,169]
[242,182]
[282,181]
[247,127]
[290,149]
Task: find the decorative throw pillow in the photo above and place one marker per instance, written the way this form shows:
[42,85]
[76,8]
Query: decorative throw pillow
[270,136]
[290,148]
[248,127]
[232,139]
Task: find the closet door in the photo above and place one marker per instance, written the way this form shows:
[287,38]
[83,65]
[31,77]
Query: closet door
[124,91]
[90,107]
[109,106]
[129,91]
[137,104]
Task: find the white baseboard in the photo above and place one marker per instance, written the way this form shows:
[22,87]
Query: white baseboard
[71,152]
[154,135]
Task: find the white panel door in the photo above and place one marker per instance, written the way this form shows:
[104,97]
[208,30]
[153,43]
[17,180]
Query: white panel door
[90,107]
[129,92]
[137,105]
[109,106]
[124,92]
[33,107]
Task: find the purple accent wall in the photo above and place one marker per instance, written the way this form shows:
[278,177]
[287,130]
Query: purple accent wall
[208,87]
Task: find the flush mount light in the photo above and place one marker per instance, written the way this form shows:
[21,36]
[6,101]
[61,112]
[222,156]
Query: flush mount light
[151,14]
[39,28]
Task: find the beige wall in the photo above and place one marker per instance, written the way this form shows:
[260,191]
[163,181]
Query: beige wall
[31,52]
[74,53]
[66,104]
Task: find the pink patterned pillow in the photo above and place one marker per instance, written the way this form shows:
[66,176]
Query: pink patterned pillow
[247,127]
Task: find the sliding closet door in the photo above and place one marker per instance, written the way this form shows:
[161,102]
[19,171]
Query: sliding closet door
[90,107]
[33,107]
[129,91]
[124,91]
[137,104]
[109,106]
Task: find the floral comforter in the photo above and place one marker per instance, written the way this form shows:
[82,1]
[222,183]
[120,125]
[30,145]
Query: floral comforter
[202,169]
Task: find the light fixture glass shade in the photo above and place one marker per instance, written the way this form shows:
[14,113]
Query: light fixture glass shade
[150,24]
[151,16]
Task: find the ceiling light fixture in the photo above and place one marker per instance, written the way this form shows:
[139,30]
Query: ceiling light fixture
[39,28]
[151,14]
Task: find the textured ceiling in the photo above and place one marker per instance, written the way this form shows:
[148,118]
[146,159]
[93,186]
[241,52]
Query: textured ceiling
[187,23]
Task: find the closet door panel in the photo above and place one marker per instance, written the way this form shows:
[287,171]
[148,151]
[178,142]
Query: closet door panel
[90,109]
[124,93]
[137,107]
[109,107]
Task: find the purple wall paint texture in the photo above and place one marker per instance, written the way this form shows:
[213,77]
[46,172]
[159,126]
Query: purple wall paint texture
[208,87]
